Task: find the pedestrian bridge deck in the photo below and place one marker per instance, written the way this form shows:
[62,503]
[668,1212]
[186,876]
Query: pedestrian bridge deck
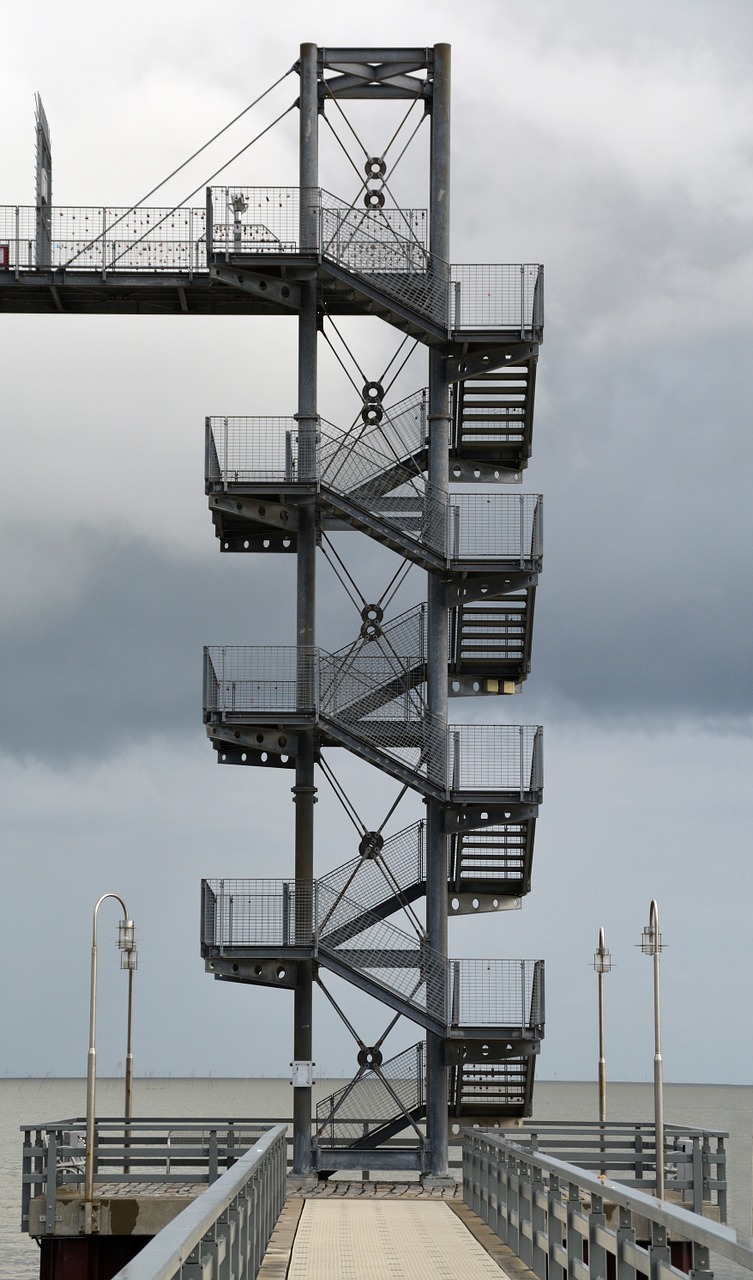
[369,1230]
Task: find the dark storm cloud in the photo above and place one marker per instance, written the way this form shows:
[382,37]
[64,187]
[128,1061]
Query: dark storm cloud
[645,602]
[118,658]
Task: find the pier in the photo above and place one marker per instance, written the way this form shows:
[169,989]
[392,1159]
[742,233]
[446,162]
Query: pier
[215,1199]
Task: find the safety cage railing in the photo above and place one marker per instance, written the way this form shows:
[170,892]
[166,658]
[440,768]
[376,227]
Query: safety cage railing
[374,700]
[104,239]
[386,247]
[246,915]
[244,679]
[385,1095]
[373,469]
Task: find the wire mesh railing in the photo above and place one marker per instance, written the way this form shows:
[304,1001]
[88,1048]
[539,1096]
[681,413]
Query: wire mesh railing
[375,700]
[254,450]
[262,913]
[399,730]
[375,1099]
[260,450]
[385,248]
[373,471]
[505,758]
[242,914]
[497,296]
[394,962]
[388,870]
[499,993]
[247,680]
[489,526]
[108,239]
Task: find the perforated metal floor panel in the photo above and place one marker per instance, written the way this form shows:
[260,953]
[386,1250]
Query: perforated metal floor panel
[384,1240]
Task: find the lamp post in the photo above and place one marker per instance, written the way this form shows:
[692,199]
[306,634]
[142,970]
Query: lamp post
[651,945]
[602,965]
[128,961]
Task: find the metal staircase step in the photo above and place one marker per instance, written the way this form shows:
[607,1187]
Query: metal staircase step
[493,416]
[489,1091]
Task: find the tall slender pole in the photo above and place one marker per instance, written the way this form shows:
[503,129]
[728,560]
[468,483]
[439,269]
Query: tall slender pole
[91,1066]
[128,1102]
[602,965]
[437,1114]
[651,945]
[658,1068]
[305,791]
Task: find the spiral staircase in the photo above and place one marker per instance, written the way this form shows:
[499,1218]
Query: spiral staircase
[270,482]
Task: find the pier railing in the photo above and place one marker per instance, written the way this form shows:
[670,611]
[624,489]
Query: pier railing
[695,1160]
[193,1151]
[226,1230]
[563,1222]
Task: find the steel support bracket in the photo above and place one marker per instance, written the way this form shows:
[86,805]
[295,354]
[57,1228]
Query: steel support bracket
[491,586]
[276,515]
[281,292]
[473,817]
[469,364]
[474,904]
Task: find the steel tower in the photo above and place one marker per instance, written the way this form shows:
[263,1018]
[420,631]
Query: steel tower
[426,478]
[277,484]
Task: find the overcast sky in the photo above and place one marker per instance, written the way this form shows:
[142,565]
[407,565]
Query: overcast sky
[611,142]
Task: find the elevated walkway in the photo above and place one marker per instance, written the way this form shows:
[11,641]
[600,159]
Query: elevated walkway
[378,1236]
[372,260]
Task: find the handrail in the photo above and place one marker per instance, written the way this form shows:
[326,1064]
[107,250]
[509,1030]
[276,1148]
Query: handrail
[221,1211]
[545,1209]
[163,1148]
[386,249]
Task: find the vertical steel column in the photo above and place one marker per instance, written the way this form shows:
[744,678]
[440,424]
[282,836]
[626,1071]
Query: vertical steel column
[437,614]
[305,791]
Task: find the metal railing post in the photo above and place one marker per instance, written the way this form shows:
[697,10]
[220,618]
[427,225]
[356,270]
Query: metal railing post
[597,1254]
[522,997]
[210,225]
[624,1243]
[213,1172]
[286,914]
[538,1262]
[51,1181]
[658,1251]
[556,1271]
[698,1176]
[573,1239]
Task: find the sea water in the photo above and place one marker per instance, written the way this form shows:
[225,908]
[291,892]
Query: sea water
[35,1102]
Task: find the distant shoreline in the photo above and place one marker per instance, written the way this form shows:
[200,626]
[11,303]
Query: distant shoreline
[668,1084]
